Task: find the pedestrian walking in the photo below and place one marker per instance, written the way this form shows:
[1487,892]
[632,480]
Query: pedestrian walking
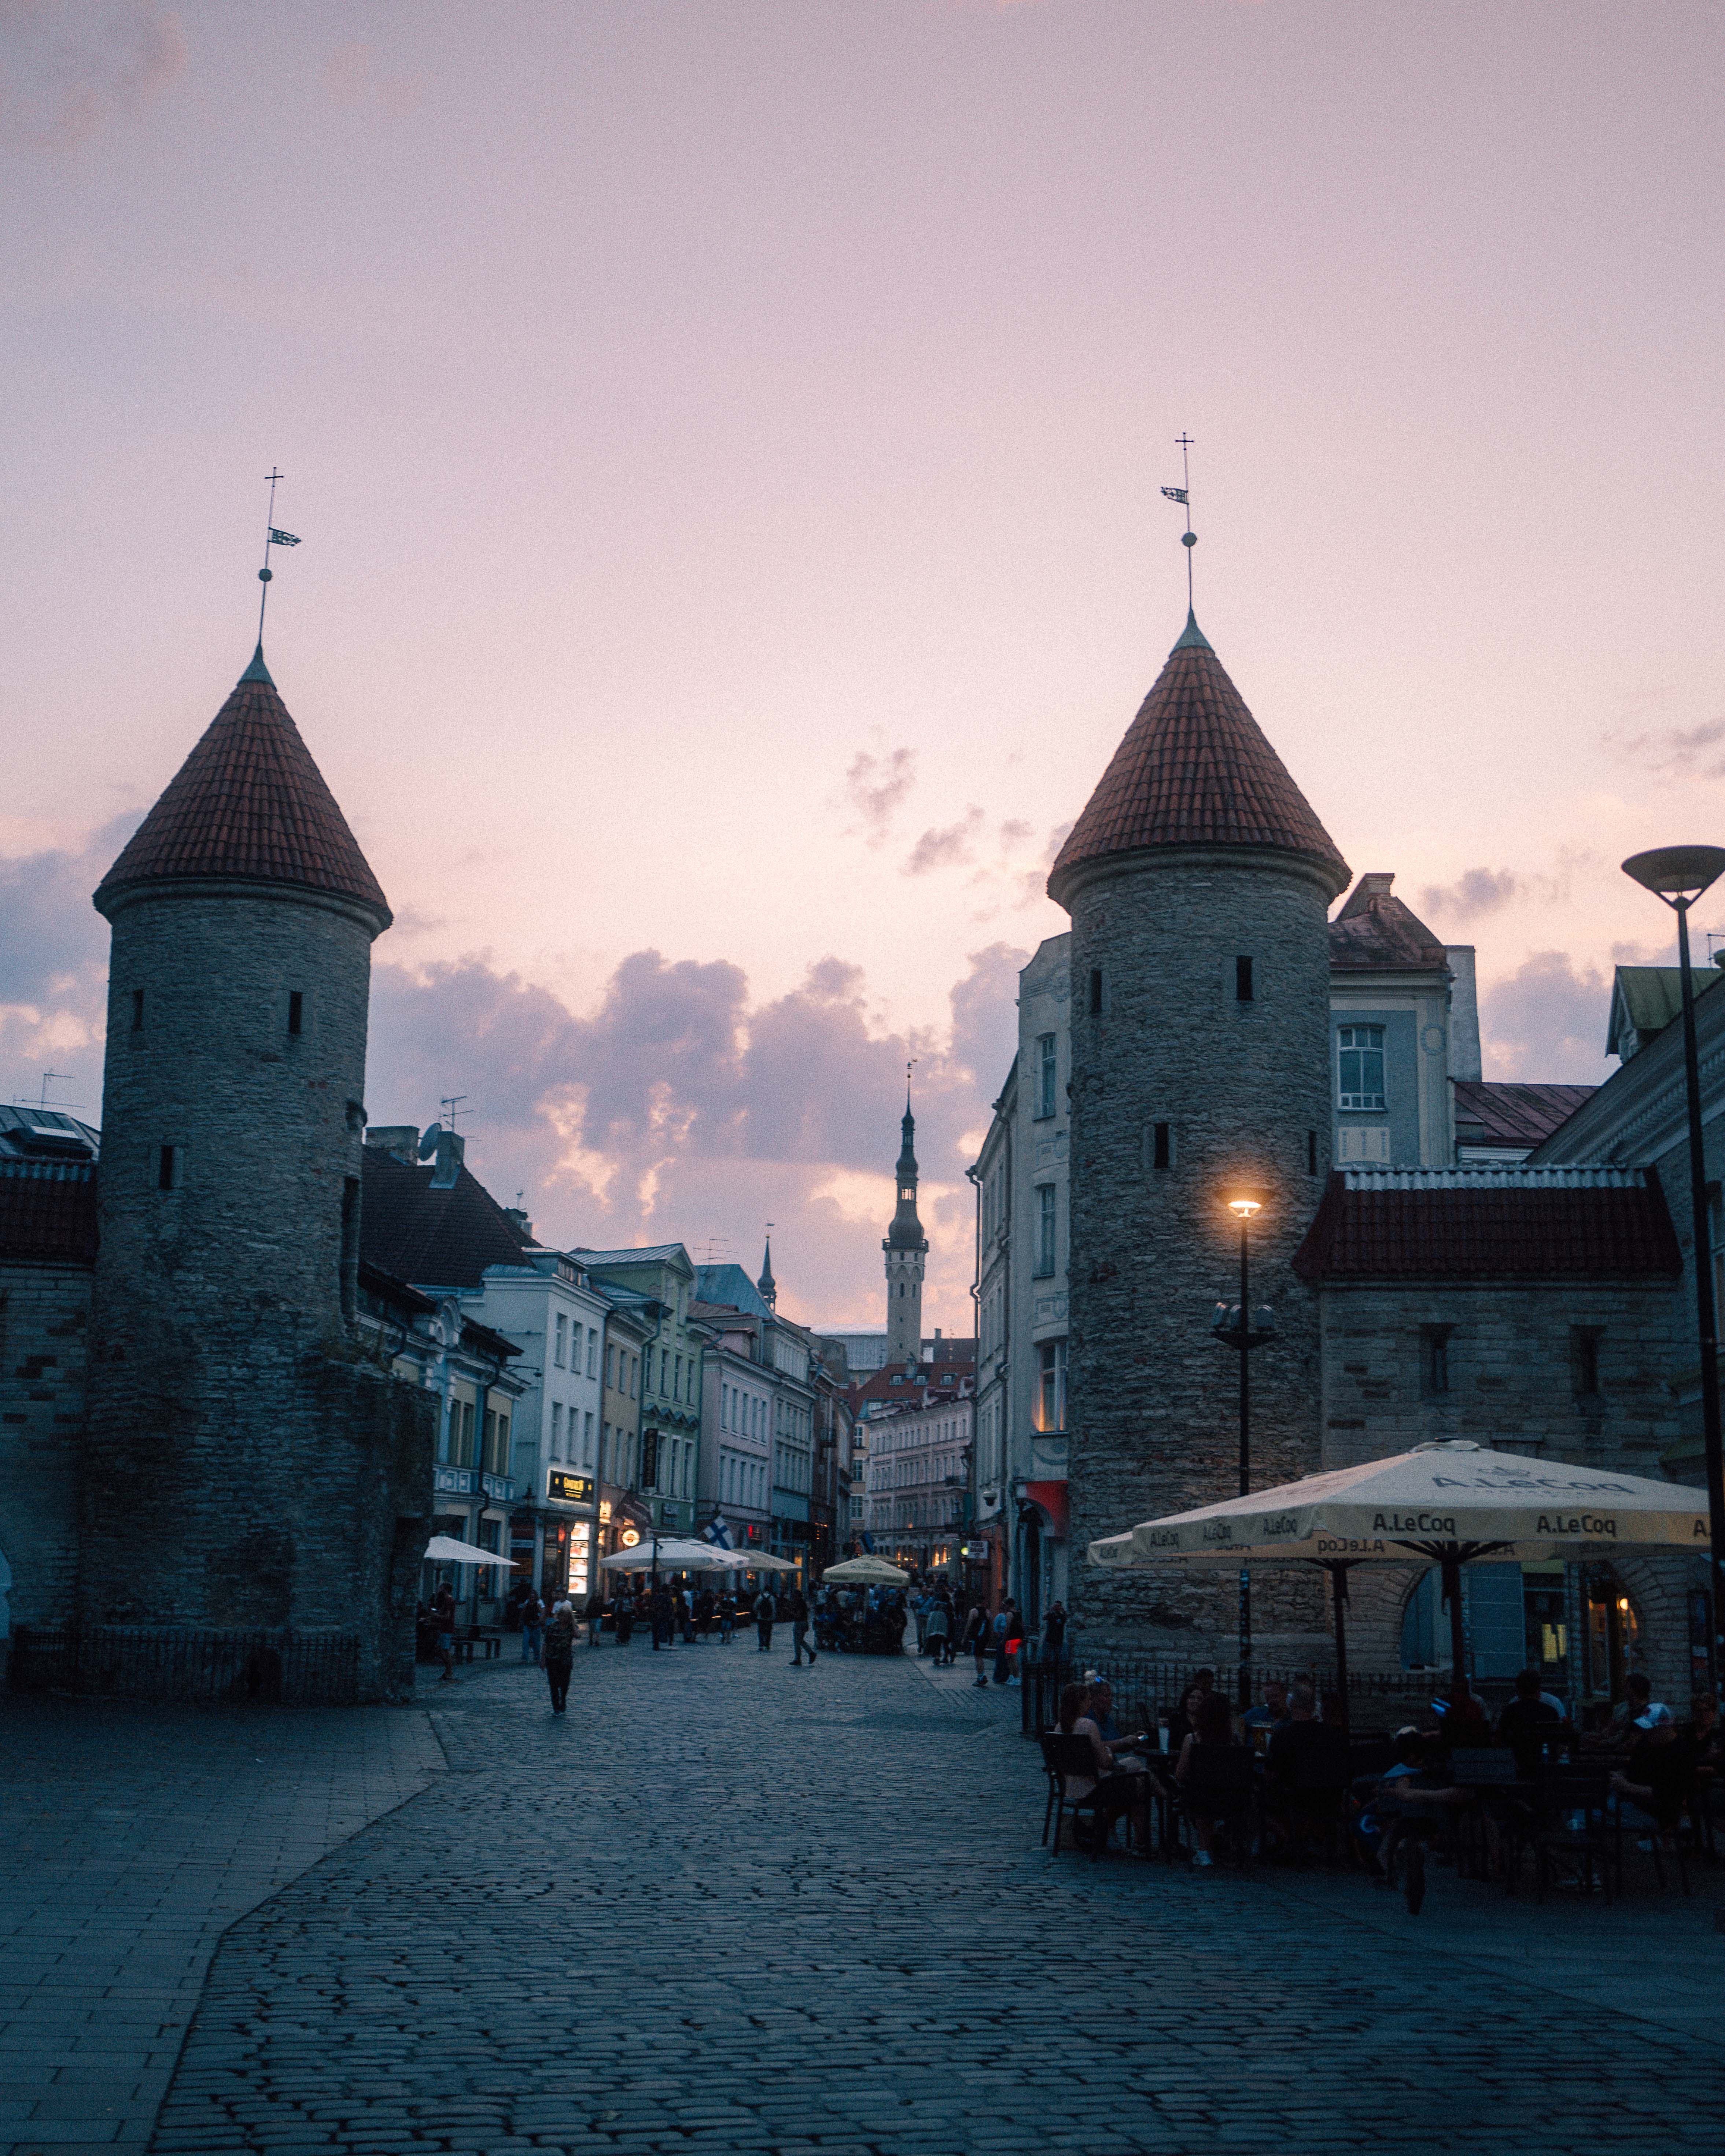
[728,1618]
[442,1618]
[659,1610]
[919,1610]
[532,1614]
[976,1642]
[765,1613]
[686,1611]
[939,1627]
[1008,1626]
[560,1654]
[625,1618]
[595,1617]
[1054,1633]
[800,1630]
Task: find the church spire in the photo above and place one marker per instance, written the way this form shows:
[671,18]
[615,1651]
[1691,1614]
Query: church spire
[766,1284]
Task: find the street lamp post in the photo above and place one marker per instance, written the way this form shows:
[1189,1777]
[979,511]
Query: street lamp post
[1233,1328]
[1679,875]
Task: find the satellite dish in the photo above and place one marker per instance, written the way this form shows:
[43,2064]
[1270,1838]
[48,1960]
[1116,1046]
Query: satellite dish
[428,1140]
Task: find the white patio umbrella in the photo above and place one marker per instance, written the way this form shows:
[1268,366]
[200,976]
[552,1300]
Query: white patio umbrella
[764,1561]
[1449,1501]
[445,1549]
[676,1554]
[866,1572]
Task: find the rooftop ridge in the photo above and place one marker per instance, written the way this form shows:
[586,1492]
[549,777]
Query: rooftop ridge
[1490,1175]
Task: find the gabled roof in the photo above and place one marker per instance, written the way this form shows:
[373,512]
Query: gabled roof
[1644,999]
[248,802]
[1528,1224]
[730,1285]
[1374,930]
[1195,769]
[651,1253]
[1488,1112]
[48,1212]
[433,1238]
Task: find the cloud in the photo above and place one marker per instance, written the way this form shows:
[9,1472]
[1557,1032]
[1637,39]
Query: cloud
[350,78]
[1675,752]
[1546,1023]
[53,968]
[1474,891]
[877,786]
[953,848]
[682,1108]
[69,71]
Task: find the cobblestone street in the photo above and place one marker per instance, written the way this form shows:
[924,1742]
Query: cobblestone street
[727,1905]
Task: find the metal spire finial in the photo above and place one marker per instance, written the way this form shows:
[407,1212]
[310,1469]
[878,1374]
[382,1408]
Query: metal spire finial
[272,537]
[1183,493]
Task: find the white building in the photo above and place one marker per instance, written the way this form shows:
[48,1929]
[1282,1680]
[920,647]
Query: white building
[548,1306]
[918,1467]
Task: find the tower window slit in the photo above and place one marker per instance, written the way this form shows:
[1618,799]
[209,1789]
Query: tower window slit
[166,1167]
[1096,990]
[296,1010]
[137,1010]
[1312,1153]
[1243,980]
[1163,1146]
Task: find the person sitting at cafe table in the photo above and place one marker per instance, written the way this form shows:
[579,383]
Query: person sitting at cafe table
[1101,1710]
[1619,1734]
[1659,1776]
[1418,1800]
[1291,1790]
[1271,1711]
[1183,1720]
[1118,1793]
[1520,1725]
[1212,1731]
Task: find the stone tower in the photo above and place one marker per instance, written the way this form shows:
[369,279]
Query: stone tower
[767,1285]
[906,1249]
[242,1467]
[1198,881]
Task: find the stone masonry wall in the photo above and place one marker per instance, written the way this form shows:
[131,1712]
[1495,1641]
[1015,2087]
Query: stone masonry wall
[1512,1370]
[241,1467]
[44,1319]
[1153,1413]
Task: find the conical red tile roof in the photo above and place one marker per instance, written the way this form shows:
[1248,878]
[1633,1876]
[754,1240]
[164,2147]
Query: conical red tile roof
[1195,770]
[248,802]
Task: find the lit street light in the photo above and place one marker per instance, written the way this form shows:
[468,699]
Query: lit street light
[1232,1327]
[1679,875]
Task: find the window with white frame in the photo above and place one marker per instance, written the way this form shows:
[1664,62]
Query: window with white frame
[1046,1067]
[1359,1073]
[1045,1230]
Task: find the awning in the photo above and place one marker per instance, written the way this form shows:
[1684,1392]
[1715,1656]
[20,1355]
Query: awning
[445,1549]
[1052,1498]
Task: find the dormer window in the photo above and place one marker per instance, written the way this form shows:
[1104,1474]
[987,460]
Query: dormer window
[1359,1066]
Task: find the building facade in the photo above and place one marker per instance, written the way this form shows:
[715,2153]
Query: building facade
[670,1383]
[918,1473]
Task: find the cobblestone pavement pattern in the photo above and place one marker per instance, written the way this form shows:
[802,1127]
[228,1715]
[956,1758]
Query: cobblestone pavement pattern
[730,1906]
[133,1838]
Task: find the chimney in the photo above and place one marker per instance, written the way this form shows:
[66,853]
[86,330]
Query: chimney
[400,1141]
[523,1225]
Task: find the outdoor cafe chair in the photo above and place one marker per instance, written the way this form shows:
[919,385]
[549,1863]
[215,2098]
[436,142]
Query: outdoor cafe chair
[1573,1839]
[1221,1781]
[1070,1759]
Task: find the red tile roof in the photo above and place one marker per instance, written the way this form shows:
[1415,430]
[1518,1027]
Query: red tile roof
[1496,1114]
[48,1212]
[248,802]
[1375,930]
[1491,1224]
[1195,769]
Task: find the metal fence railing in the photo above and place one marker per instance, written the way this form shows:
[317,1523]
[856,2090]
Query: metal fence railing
[187,1662]
[1148,1689]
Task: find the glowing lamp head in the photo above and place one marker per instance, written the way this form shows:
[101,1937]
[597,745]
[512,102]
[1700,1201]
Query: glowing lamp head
[1246,1205]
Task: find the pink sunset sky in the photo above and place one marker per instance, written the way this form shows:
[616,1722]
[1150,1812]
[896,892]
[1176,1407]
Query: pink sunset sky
[726,439]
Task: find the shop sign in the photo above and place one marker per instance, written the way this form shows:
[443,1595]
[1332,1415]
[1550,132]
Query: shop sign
[975,1551]
[627,1538]
[572,1489]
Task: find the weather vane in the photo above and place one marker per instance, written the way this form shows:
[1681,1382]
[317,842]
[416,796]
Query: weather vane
[272,537]
[1183,495]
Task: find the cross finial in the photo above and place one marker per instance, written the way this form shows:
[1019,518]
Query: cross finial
[1183,493]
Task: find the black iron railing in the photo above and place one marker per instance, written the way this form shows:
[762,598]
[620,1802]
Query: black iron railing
[187,1662]
[1147,1689]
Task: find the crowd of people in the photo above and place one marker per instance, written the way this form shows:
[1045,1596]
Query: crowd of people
[1293,1765]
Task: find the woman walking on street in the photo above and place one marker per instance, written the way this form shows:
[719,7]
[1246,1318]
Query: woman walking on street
[939,1627]
[560,1654]
[728,1618]
[799,1629]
